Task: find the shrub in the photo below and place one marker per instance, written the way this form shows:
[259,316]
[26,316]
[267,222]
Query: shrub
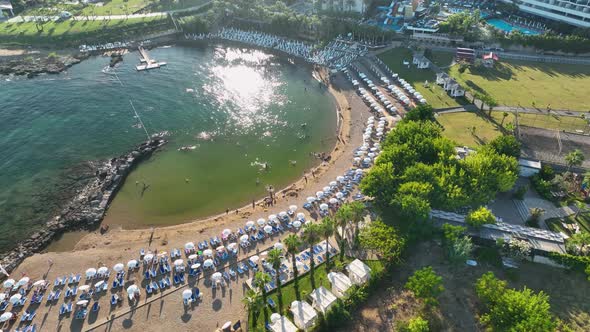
[542,186]
[520,192]
[425,284]
[480,217]
[547,173]
[418,324]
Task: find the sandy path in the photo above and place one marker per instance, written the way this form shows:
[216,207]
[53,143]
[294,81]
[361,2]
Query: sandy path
[167,311]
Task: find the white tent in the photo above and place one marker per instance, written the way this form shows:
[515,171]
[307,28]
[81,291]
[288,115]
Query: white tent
[322,299]
[303,314]
[358,272]
[340,283]
[281,324]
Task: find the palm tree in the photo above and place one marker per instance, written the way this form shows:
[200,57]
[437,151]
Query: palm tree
[253,303]
[326,229]
[574,158]
[504,115]
[343,217]
[292,244]
[260,281]
[358,212]
[275,257]
[310,237]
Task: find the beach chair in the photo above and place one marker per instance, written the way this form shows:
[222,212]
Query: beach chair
[95,307]
[57,294]
[162,269]
[305,267]
[31,316]
[148,289]
[69,307]
[77,278]
[167,282]
[232,273]
[211,242]
[181,278]
[240,271]
[62,309]
[75,291]
[319,259]
[176,280]
[197,293]
[155,286]
[50,296]
[57,282]
[153,273]
[24,317]
[147,274]
[114,299]
[105,287]
[226,275]
[115,284]
[271,303]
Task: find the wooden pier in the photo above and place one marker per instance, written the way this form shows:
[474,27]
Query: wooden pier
[146,62]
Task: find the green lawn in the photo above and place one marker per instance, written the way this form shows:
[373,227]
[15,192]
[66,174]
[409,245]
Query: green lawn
[441,59]
[291,293]
[434,94]
[530,84]
[459,128]
[583,220]
[547,121]
[113,7]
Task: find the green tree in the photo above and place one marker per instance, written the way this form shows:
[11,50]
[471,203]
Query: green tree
[425,284]
[310,237]
[383,240]
[489,288]
[574,158]
[452,233]
[506,145]
[480,217]
[275,257]
[420,113]
[418,324]
[579,243]
[504,116]
[326,230]
[260,280]
[253,303]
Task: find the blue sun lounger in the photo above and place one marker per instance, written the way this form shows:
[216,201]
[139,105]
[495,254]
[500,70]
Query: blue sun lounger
[114,299]
[271,303]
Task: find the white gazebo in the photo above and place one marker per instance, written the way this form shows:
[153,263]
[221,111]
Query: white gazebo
[322,299]
[358,272]
[340,283]
[281,324]
[303,314]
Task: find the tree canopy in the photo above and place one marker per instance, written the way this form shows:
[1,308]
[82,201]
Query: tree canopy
[506,145]
[382,239]
[480,217]
[425,284]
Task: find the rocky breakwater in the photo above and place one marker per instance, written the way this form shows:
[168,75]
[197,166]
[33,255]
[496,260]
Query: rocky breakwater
[32,66]
[89,205]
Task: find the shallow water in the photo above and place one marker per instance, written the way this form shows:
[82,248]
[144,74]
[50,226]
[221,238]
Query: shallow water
[239,109]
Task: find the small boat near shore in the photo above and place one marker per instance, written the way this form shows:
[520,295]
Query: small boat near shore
[187,148]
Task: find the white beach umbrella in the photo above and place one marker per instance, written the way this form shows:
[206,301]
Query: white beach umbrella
[99,284]
[324,206]
[148,257]
[300,215]
[119,267]
[187,294]
[220,248]
[232,246]
[359,171]
[255,259]
[91,272]
[326,189]
[193,256]
[319,194]
[261,222]
[8,283]
[297,224]
[311,199]
[195,266]
[340,178]
[178,262]
[272,217]
[268,229]
[226,326]
[208,252]
[132,264]
[15,298]
[6,316]
[333,201]
[250,224]
[226,232]
[39,283]
[293,208]
[283,214]
[23,281]
[189,246]
[244,238]
[208,263]
[84,287]
[216,276]
[82,302]
[279,246]
[333,183]
[102,270]
[132,290]
[339,195]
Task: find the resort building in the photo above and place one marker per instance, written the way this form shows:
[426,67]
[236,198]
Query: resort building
[421,62]
[450,85]
[490,59]
[304,315]
[340,283]
[358,272]
[574,12]
[5,9]
[465,54]
[322,299]
[356,6]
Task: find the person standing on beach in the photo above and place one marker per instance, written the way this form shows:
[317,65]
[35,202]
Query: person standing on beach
[253,204]
[226,211]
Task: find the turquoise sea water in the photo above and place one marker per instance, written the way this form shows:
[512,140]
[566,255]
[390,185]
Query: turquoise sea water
[239,109]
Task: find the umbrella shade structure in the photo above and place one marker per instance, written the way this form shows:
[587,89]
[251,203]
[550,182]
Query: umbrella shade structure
[216,276]
[250,223]
[9,283]
[326,189]
[6,316]
[119,267]
[99,284]
[186,294]
[132,264]
[300,215]
[189,246]
[232,246]
[293,208]
[297,224]
[340,178]
[319,194]
[195,266]
[226,326]
[102,270]
[272,217]
[324,206]
[91,272]
[268,229]
[261,222]
[82,302]
[311,199]
[15,298]
[178,262]
[193,256]
[220,248]
[132,290]
[148,257]
[283,214]
[339,195]
[226,232]
[84,288]
[208,252]
[39,283]
[244,238]
[333,201]
[279,246]
[23,281]
[255,259]
[208,263]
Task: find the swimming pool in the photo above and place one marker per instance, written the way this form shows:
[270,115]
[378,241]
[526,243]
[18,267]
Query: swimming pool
[506,26]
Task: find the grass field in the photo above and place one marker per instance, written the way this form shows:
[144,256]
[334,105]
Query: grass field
[530,84]
[113,7]
[583,221]
[459,128]
[441,59]
[434,94]
[547,121]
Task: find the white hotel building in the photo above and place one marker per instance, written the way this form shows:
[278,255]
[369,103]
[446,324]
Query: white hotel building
[574,12]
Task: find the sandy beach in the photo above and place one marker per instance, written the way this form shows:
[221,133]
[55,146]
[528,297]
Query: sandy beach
[166,309]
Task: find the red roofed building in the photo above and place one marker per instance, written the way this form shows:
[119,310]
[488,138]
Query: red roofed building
[489,59]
